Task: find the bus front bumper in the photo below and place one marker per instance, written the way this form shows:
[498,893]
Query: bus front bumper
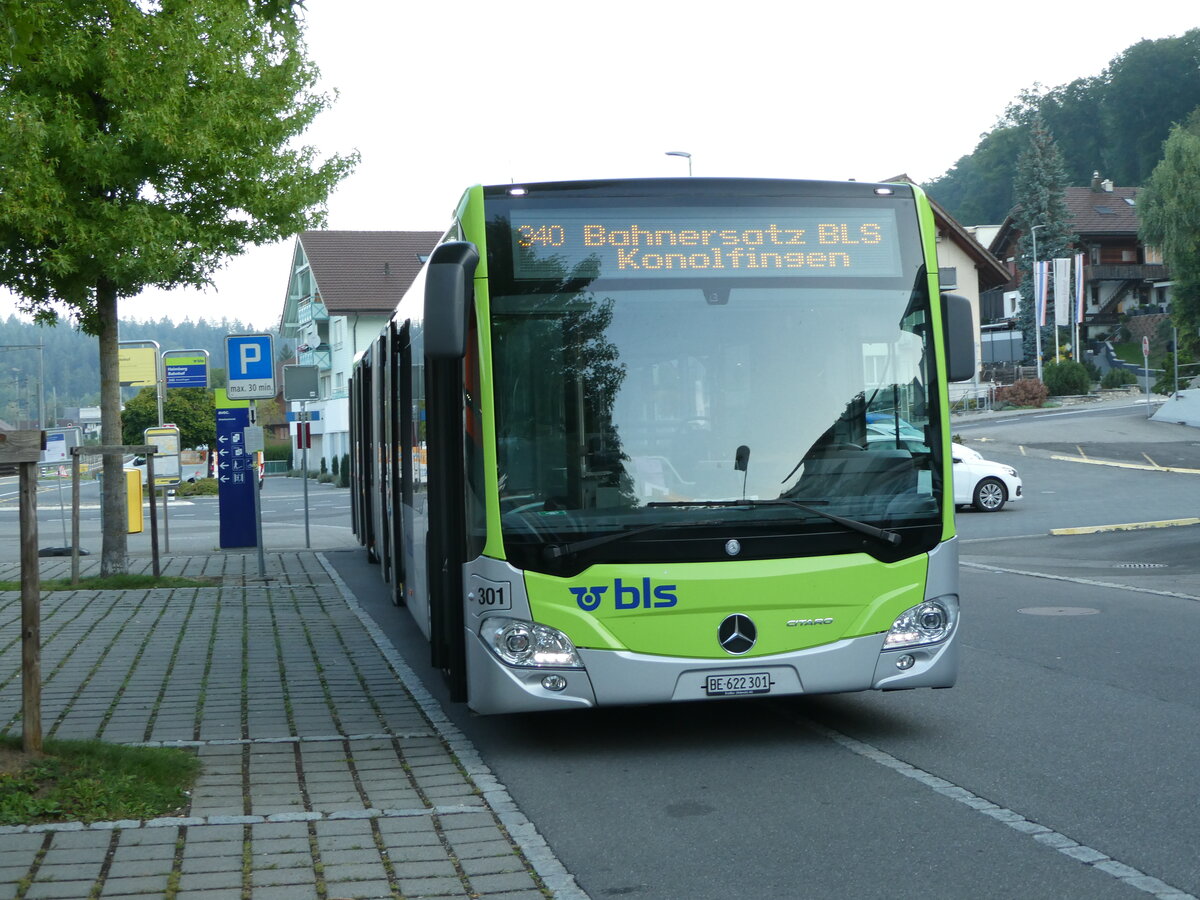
[617,677]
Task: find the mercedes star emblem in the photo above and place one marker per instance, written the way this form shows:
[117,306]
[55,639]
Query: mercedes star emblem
[737,634]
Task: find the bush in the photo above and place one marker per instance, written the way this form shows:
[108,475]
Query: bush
[333,466]
[1165,385]
[203,487]
[1117,378]
[1066,377]
[324,466]
[325,478]
[1026,392]
[1092,370]
[344,475]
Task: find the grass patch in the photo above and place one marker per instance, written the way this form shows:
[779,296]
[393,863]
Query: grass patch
[91,781]
[116,583]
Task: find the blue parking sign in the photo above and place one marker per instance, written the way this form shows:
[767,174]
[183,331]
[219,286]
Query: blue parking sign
[250,362]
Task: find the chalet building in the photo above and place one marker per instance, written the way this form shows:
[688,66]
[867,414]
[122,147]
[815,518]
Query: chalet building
[342,290]
[1122,276]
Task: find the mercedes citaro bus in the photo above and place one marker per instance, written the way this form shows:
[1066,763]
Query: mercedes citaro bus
[612,447]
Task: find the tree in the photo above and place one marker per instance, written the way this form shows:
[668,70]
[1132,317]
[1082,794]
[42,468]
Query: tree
[979,188]
[1114,123]
[1169,213]
[1039,189]
[1151,86]
[190,409]
[142,143]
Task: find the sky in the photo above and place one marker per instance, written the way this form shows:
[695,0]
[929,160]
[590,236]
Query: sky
[439,96]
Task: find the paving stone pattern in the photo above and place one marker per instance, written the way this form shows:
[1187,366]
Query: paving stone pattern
[328,772]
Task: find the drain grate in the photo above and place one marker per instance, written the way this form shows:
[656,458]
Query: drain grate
[1140,566]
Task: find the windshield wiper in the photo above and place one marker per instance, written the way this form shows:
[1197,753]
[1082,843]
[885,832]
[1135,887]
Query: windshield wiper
[883,534]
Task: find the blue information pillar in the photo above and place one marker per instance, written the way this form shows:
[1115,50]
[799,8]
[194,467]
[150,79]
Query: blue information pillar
[237,480]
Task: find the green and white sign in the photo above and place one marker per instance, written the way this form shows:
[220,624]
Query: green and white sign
[186,368]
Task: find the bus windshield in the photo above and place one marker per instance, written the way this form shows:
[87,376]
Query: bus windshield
[633,404]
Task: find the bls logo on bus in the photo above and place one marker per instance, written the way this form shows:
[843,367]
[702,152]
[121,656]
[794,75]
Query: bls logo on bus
[627,596]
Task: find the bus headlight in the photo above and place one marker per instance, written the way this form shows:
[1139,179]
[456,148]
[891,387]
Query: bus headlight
[520,643]
[927,623]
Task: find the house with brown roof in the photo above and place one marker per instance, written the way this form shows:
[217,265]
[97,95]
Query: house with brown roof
[1122,276]
[342,289]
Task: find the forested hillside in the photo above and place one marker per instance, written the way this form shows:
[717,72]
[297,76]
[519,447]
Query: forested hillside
[72,359]
[1113,123]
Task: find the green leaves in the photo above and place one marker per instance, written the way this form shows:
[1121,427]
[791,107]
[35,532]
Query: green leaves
[144,145]
[1169,212]
[191,409]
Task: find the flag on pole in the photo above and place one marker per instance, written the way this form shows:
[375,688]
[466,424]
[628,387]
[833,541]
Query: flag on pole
[1080,302]
[1041,278]
[1062,290]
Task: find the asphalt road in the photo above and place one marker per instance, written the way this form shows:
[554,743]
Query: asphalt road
[1063,764]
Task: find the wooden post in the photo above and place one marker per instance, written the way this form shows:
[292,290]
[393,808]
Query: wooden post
[25,449]
[31,627]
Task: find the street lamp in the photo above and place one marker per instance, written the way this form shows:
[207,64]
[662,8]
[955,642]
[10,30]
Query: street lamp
[685,155]
[1037,316]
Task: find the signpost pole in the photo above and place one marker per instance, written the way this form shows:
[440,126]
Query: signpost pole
[302,428]
[1146,370]
[153,517]
[262,563]
[75,515]
[62,508]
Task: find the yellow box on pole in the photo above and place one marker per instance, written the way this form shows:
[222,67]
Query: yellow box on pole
[133,500]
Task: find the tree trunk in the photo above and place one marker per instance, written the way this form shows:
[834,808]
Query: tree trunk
[115,539]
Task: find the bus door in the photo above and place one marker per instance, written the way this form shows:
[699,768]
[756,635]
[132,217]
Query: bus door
[396,469]
[366,453]
[379,454]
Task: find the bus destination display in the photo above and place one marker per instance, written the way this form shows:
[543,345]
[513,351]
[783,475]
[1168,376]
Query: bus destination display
[765,243]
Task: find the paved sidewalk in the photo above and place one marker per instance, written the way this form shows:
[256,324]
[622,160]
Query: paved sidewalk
[328,772]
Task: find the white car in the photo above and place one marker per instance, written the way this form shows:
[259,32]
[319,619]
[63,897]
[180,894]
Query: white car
[981,483]
[978,482]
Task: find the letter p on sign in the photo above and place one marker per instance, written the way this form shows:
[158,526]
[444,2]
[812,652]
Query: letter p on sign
[250,363]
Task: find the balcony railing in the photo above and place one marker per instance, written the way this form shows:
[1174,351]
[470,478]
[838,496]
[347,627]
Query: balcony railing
[1128,272]
[321,357]
[311,311]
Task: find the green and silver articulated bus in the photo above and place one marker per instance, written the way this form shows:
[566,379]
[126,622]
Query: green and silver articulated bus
[640,441]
